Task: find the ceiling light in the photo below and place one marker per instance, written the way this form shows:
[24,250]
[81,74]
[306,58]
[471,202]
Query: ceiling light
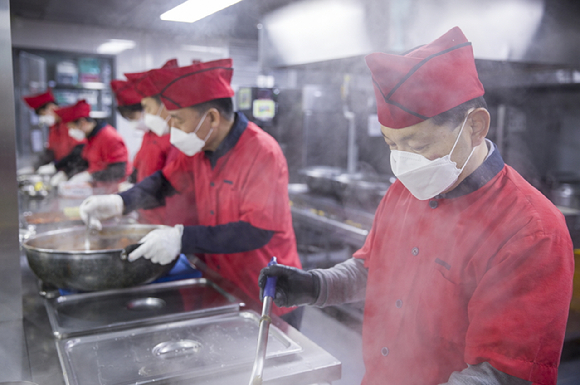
[115,46]
[194,10]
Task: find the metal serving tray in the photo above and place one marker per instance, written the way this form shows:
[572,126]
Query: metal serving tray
[88,313]
[170,353]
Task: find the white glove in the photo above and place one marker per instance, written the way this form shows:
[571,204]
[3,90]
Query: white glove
[57,178]
[84,176]
[160,246]
[47,169]
[98,207]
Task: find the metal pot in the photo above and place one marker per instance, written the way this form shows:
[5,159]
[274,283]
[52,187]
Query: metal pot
[320,178]
[60,258]
[566,194]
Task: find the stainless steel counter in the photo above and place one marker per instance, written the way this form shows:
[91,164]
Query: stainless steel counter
[312,365]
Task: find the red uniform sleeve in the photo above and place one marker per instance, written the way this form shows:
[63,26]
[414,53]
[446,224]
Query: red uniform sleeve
[518,312]
[264,201]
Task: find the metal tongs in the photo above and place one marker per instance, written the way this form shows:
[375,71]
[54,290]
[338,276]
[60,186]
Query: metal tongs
[265,320]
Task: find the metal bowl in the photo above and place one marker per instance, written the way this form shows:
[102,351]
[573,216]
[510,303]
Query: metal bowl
[61,258]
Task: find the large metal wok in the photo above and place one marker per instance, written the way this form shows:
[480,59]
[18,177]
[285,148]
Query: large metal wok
[61,258]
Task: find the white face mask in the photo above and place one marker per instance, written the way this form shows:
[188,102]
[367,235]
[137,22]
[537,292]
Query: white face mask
[46,120]
[139,124]
[426,178]
[189,143]
[156,123]
[76,134]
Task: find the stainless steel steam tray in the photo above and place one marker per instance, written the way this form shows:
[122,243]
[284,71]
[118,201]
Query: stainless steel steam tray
[87,313]
[173,352]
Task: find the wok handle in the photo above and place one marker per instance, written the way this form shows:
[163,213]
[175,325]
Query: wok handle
[129,249]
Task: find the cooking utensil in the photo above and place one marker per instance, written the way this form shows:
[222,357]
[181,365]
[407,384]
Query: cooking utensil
[87,233]
[269,292]
[60,258]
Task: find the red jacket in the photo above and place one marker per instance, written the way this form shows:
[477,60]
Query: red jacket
[150,158]
[248,183]
[105,147]
[60,142]
[480,277]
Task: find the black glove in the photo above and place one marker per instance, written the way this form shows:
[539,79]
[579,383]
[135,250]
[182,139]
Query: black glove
[294,287]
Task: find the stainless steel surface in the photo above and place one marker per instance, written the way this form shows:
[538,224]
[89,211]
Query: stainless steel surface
[13,353]
[18,383]
[60,258]
[191,349]
[262,345]
[310,366]
[110,310]
[347,224]
[10,286]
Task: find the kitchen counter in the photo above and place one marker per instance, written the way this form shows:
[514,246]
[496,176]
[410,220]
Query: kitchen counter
[309,366]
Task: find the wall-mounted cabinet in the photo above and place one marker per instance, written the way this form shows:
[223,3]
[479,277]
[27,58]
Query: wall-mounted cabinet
[71,76]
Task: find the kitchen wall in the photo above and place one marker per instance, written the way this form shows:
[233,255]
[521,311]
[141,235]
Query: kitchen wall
[151,50]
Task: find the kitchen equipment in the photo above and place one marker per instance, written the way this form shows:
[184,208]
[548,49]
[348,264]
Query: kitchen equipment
[566,195]
[59,258]
[194,350]
[320,178]
[117,309]
[361,189]
[269,293]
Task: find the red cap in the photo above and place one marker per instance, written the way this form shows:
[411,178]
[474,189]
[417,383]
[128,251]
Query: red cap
[425,82]
[198,83]
[72,113]
[125,93]
[39,100]
[141,82]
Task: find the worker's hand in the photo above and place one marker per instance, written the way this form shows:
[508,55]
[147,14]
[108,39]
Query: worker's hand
[84,176]
[96,208]
[57,178]
[294,287]
[160,245]
[47,169]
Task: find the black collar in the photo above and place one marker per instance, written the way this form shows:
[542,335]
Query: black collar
[240,124]
[100,125]
[490,167]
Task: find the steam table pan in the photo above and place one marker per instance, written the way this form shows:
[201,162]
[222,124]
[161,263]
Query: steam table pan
[187,350]
[87,313]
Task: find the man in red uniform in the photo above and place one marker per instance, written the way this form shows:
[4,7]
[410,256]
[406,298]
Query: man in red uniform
[236,173]
[60,143]
[467,271]
[105,154]
[155,146]
[178,209]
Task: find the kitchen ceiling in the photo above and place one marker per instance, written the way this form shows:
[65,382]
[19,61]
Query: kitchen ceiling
[238,21]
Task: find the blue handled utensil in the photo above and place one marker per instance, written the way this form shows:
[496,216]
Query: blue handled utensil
[265,320]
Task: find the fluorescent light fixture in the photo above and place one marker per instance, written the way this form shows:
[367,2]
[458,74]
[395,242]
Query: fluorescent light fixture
[317,30]
[115,46]
[221,51]
[194,10]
